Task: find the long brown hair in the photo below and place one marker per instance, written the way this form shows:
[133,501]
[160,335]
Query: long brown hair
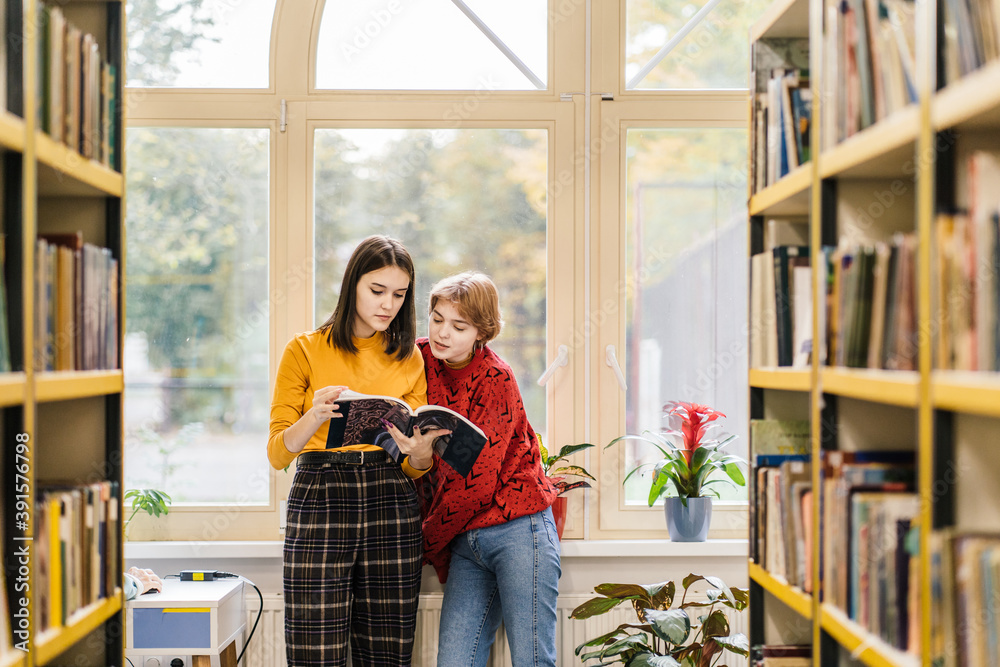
[374,253]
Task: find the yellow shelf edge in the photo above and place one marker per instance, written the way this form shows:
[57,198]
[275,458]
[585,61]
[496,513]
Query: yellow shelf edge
[966,392]
[11,131]
[797,182]
[889,134]
[793,597]
[66,385]
[970,97]
[783,13]
[51,644]
[886,387]
[12,389]
[72,164]
[788,379]
[863,645]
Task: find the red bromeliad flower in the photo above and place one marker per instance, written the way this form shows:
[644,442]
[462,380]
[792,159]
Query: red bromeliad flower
[694,420]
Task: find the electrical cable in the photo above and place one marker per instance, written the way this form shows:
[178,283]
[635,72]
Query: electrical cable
[129,661]
[260,611]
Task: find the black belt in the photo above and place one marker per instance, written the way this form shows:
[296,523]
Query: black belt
[357,457]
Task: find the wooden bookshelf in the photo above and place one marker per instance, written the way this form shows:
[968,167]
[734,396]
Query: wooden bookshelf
[879,151]
[887,387]
[784,18]
[63,172]
[971,103]
[789,196]
[863,645]
[68,385]
[83,441]
[11,132]
[788,379]
[53,643]
[966,392]
[792,596]
[12,389]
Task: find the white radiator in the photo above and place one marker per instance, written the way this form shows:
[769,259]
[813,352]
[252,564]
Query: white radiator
[267,648]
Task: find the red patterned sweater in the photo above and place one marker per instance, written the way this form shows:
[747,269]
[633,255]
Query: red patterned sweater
[506,481]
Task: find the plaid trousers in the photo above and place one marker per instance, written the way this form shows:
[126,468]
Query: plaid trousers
[352,564]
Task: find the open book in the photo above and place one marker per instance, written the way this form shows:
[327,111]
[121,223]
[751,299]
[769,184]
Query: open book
[362,423]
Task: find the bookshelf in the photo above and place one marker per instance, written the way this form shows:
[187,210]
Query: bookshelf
[896,207]
[62,429]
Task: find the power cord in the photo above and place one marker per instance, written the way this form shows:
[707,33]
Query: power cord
[260,610]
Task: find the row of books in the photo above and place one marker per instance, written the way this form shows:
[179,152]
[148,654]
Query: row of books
[869,66]
[966,270]
[868,512]
[971,36]
[781,655]
[77,531]
[782,119]
[781,497]
[965,587]
[781,307]
[76,304]
[870,318]
[869,563]
[78,88]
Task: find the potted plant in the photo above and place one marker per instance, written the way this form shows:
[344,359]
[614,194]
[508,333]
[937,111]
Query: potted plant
[666,636]
[152,501]
[558,476]
[692,449]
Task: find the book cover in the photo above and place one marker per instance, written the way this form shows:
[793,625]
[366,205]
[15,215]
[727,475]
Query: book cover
[780,436]
[363,423]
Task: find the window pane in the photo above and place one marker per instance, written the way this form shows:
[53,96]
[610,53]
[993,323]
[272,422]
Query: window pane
[714,54]
[196,337]
[431,45]
[459,200]
[198,44]
[687,277]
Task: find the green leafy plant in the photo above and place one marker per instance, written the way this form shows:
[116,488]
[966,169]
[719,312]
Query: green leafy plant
[692,452]
[152,501]
[558,475]
[666,636]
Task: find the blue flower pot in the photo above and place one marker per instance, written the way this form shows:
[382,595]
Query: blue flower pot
[688,524]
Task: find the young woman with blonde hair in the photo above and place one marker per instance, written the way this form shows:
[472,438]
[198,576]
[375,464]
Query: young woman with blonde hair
[489,535]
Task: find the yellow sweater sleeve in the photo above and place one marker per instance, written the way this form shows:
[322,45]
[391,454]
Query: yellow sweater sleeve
[288,402]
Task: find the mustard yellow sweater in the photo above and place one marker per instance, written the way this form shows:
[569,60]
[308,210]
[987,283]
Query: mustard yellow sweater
[309,363]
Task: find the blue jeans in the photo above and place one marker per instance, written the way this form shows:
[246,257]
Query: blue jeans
[508,572]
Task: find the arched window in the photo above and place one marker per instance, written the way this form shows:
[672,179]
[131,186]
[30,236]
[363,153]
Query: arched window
[465,129]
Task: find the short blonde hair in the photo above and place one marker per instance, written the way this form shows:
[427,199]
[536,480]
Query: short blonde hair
[476,298]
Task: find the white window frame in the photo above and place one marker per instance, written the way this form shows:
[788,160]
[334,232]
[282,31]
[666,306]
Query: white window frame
[576,412]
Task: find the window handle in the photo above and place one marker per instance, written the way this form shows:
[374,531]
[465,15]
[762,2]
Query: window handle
[611,360]
[562,358]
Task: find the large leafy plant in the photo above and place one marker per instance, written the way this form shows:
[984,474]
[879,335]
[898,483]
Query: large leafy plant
[558,474]
[692,447]
[692,634]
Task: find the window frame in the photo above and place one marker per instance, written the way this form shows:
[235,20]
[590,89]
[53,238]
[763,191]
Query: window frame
[292,108]
[615,519]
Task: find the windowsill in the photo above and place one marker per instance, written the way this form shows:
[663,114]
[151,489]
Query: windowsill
[570,549]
